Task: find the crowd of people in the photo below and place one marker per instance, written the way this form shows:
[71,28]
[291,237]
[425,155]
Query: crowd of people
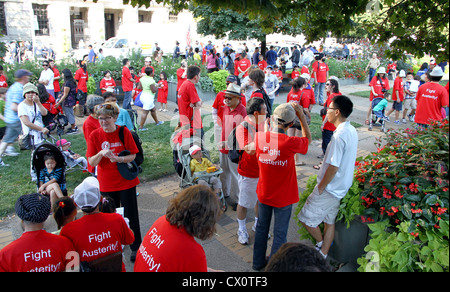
[262,177]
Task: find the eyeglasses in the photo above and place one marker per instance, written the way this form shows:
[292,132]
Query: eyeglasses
[45,65]
[105,119]
[230,97]
[332,108]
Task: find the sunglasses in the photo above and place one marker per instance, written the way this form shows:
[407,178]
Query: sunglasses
[106,106]
[45,65]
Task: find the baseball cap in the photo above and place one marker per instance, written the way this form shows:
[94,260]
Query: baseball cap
[22,72]
[284,113]
[231,78]
[87,194]
[194,149]
[62,142]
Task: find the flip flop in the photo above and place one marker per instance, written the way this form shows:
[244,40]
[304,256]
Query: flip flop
[316,167]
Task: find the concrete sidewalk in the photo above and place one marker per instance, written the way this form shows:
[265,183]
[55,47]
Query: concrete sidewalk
[223,251]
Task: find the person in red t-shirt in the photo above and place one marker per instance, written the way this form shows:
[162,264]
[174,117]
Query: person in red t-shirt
[320,78]
[431,99]
[148,63]
[277,72]
[96,234]
[82,76]
[104,146]
[262,64]
[277,187]
[248,168]
[91,123]
[36,250]
[163,90]
[127,84]
[233,114]
[181,78]
[397,97]
[332,89]
[378,84]
[170,245]
[107,83]
[297,95]
[56,78]
[189,103]
[295,73]
[243,66]
[219,105]
[3,78]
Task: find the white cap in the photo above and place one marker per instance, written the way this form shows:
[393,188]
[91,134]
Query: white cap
[194,149]
[87,193]
[402,73]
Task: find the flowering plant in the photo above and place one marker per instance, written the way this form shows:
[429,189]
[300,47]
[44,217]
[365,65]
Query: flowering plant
[404,186]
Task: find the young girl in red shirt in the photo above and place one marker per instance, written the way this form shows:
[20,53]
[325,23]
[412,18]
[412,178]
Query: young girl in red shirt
[163,91]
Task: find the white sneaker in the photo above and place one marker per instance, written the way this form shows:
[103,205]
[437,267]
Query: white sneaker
[2,163]
[10,151]
[242,236]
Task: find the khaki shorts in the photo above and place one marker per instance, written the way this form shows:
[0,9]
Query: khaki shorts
[247,192]
[319,208]
[410,103]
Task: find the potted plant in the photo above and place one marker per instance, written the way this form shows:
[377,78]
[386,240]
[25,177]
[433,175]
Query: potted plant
[402,190]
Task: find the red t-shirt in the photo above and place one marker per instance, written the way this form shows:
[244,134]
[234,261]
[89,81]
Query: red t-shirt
[108,176]
[219,104]
[36,251]
[89,125]
[301,97]
[56,82]
[279,75]
[304,70]
[231,119]
[308,92]
[243,65]
[163,91]
[321,72]
[82,78]
[398,91]
[180,79]
[431,97]
[3,80]
[248,164]
[295,74]
[168,248]
[328,125]
[262,64]
[187,95]
[277,185]
[378,87]
[98,235]
[106,83]
[127,85]
[143,69]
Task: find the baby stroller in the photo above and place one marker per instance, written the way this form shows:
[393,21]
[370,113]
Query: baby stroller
[37,160]
[373,117]
[182,160]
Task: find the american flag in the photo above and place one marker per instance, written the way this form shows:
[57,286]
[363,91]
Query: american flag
[188,36]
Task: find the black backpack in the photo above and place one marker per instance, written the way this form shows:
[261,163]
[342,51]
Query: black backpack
[234,153]
[266,100]
[140,155]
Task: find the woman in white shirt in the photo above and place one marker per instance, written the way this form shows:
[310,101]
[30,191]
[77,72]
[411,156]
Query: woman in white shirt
[30,112]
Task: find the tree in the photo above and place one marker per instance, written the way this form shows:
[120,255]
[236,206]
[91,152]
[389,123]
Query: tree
[237,26]
[415,26]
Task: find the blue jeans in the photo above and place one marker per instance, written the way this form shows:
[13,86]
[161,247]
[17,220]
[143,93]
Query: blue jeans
[371,73]
[127,95]
[318,92]
[280,229]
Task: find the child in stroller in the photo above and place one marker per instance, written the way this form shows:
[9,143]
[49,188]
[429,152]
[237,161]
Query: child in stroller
[377,117]
[199,165]
[51,178]
[72,159]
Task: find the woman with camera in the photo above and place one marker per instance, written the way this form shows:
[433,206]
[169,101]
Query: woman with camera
[69,99]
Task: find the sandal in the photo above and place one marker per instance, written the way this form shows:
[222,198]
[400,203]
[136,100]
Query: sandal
[300,163]
[316,167]
[367,122]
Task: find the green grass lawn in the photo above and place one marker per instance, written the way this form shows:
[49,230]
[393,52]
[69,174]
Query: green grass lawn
[16,180]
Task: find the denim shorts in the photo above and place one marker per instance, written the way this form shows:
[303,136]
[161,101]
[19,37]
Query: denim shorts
[397,105]
[12,132]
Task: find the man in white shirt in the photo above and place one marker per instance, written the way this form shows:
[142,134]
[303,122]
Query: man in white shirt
[335,176]
[46,78]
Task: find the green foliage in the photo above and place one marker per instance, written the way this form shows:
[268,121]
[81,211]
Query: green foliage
[219,79]
[354,69]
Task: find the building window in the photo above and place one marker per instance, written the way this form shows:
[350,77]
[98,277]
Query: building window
[173,17]
[3,29]
[40,11]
